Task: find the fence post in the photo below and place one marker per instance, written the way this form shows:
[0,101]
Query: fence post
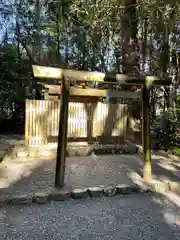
[62,134]
[27,115]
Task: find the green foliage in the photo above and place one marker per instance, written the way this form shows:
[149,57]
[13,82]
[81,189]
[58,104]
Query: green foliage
[14,76]
[161,132]
[92,35]
[177,151]
[165,131]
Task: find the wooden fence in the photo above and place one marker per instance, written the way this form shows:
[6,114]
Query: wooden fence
[86,122]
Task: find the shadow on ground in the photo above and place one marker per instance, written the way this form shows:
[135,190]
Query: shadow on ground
[125,217]
[30,175]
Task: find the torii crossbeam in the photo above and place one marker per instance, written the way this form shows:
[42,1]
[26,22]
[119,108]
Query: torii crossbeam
[66,75]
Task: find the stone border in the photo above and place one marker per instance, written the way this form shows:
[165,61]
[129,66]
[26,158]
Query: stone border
[75,150]
[20,151]
[91,192]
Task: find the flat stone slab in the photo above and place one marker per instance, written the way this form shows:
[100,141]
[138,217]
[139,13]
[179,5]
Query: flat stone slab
[41,197]
[21,199]
[109,191]
[95,191]
[22,153]
[126,189]
[59,195]
[79,193]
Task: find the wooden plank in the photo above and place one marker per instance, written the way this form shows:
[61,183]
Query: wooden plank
[56,90]
[36,116]
[47,72]
[31,121]
[53,97]
[124,115]
[42,120]
[27,116]
[74,75]
[41,140]
[84,99]
[45,122]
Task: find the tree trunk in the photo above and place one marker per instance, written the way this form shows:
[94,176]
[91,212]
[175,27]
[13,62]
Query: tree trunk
[37,44]
[144,44]
[130,55]
[18,6]
[164,62]
[58,13]
[130,48]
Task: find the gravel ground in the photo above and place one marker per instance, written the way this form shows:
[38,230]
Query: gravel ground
[118,218]
[28,174]
[24,175]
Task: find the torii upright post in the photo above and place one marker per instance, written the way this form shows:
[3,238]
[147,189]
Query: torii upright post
[147,176]
[62,134]
[66,75]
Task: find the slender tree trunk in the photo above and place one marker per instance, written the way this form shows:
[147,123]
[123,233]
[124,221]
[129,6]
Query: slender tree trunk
[130,54]
[165,56]
[130,48]
[58,13]
[37,43]
[164,63]
[66,51]
[84,53]
[93,59]
[173,93]
[144,44]
[18,7]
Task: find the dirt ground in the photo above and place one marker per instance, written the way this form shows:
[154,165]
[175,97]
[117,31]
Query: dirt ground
[32,174]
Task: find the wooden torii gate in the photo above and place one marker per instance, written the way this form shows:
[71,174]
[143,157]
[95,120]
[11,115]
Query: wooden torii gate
[66,75]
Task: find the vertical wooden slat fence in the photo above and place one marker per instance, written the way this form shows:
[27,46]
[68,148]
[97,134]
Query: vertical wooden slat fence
[86,121]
